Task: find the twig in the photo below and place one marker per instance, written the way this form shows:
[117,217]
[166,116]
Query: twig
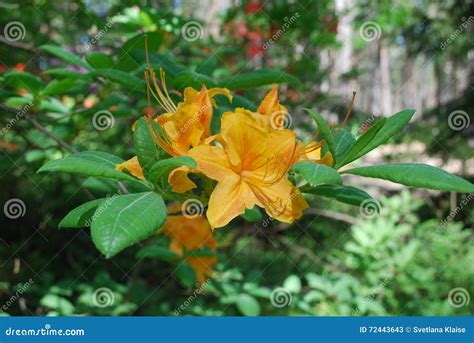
[58,140]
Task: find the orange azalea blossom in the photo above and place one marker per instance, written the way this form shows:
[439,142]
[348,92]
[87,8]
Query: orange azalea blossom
[270,106]
[190,234]
[182,126]
[186,125]
[250,164]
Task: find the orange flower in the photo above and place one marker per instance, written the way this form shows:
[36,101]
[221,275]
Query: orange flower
[186,125]
[250,165]
[189,234]
[132,166]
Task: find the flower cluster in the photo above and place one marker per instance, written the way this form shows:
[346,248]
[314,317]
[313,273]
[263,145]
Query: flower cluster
[248,159]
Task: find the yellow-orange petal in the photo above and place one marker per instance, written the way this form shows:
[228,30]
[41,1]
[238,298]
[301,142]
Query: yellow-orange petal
[179,180]
[211,161]
[229,199]
[269,102]
[132,166]
[281,200]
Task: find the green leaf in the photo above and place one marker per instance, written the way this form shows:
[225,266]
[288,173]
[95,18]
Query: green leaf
[293,284]
[252,214]
[192,79]
[100,60]
[121,77]
[66,56]
[125,220]
[317,174]
[248,305]
[346,194]
[157,252]
[324,129]
[148,152]
[63,86]
[65,73]
[393,125]
[62,305]
[163,168]
[416,175]
[257,78]
[129,56]
[89,163]
[360,146]
[23,80]
[343,141]
[81,216]
[185,273]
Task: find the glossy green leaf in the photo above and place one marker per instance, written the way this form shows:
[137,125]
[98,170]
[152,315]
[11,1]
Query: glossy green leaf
[63,86]
[416,175]
[248,305]
[358,149]
[23,80]
[163,168]
[121,77]
[392,126]
[185,274]
[147,151]
[346,194]
[125,220]
[132,53]
[257,78]
[324,129]
[192,79]
[293,284]
[317,174]
[89,163]
[67,56]
[252,214]
[82,215]
[100,60]
[157,252]
[343,141]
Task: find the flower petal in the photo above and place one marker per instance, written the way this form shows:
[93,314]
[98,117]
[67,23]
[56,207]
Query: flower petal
[179,180]
[132,166]
[212,161]
[281,200]
[229,199]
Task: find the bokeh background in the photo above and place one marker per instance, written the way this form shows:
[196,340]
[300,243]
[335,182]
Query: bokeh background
[415,258]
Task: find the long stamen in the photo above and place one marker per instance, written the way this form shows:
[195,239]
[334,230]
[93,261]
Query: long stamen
[349,110]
